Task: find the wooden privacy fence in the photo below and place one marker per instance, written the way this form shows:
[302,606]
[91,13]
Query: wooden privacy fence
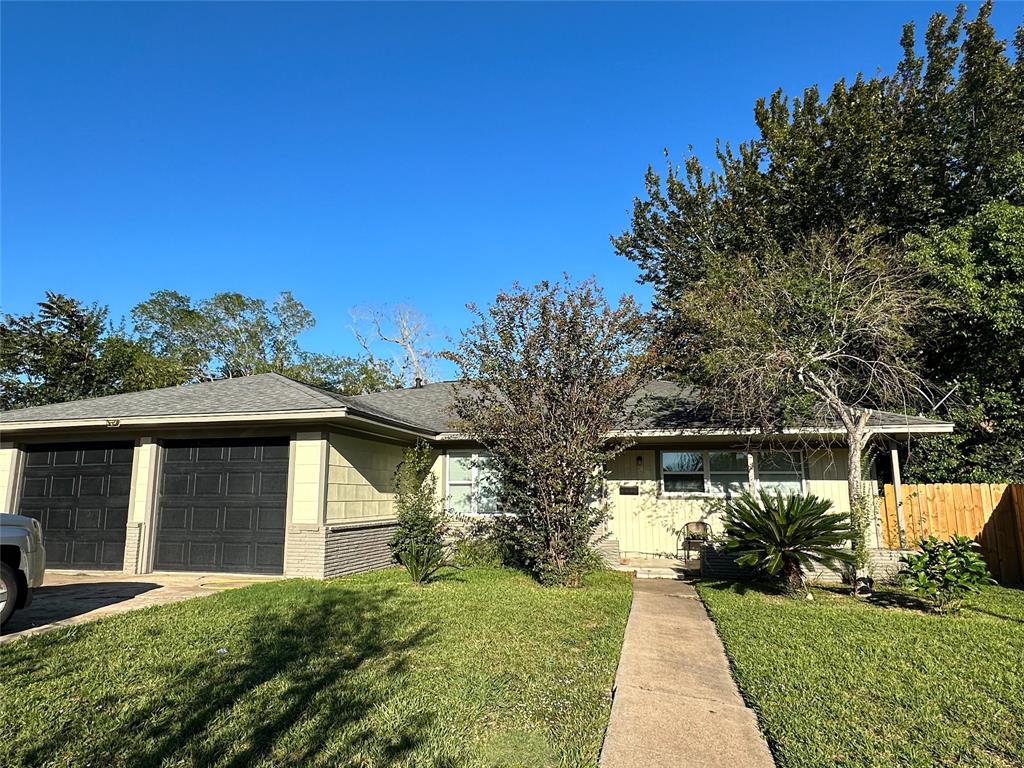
[992,515]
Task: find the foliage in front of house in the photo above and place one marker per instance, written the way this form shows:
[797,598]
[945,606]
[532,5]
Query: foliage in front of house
[546,373]
[930,156]
[784,535]
[945,572]
[418,541]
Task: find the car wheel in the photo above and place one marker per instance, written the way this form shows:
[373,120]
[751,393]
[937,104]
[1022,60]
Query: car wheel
[9,589]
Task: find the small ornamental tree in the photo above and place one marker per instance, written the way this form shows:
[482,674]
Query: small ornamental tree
[824,331]
[546,374]
[418,542]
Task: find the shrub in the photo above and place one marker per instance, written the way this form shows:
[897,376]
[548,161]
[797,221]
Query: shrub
[421,520]
[783,535]
[945,572]
[423,559]
[546,373]
[476,545]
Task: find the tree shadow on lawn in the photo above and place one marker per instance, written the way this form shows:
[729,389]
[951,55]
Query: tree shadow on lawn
[297,690]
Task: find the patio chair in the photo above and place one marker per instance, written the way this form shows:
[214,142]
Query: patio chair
[695,533]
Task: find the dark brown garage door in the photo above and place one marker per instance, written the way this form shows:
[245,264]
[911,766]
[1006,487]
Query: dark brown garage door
[79,492]
[222,506]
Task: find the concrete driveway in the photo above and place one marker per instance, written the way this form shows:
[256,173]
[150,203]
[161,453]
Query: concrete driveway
[74,597]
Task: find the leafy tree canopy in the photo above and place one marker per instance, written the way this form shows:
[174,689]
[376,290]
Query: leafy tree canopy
[230,334]
[68,350]
[922,153]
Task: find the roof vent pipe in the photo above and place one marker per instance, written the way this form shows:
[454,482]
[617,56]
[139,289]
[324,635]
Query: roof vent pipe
[418,384]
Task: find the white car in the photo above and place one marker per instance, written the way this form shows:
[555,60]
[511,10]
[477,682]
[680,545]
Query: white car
[22,562]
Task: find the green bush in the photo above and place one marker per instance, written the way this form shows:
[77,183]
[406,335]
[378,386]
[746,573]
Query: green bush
[783,535]
[945,572]
[475,546]
[423,560]
[422,525]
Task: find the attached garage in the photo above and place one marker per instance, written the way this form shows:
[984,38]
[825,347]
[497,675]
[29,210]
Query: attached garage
[79,493]
[222,505]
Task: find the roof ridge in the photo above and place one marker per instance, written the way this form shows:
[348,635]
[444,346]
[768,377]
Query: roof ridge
[313,391]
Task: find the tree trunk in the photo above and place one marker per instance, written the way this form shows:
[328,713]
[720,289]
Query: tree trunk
[857,436]
[792,575]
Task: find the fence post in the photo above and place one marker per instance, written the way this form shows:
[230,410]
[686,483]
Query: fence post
[897,487]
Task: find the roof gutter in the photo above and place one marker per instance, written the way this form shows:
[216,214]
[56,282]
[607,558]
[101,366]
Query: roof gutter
[937,428]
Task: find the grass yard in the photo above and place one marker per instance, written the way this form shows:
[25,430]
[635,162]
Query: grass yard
[840,682]
[483,668]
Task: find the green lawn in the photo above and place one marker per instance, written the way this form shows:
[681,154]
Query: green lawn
[483,668]
[841,682]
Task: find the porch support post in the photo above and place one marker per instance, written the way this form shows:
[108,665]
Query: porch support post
[897,486]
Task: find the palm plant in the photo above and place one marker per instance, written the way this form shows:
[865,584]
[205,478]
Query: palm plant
[786,534]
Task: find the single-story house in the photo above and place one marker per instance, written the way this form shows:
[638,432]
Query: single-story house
[263,474]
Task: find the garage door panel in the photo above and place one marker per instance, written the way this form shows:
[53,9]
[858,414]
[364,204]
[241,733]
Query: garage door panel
[170,553]
[206,519]
[111,554]
[238,519]
[237,555]
[247,453]
[54,520]
[62,487]
[270,519]
[209,453]
[119,486]
[91,486]
[116,518]
[273,483]
[178,454]
[92,456]
[269,557]
[174,485]
[85,553]
[241,483]
[67,458]
[33,487]
[211,505]
[89,519]
[173,518]
[208,485]
[79,493]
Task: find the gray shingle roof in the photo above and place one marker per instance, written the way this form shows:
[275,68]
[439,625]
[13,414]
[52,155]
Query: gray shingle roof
[263,393]
[664,405]
[667,406]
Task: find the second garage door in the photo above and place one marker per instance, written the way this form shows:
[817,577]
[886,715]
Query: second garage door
[223,505]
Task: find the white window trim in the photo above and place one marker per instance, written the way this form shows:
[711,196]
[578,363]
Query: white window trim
[473,482]
[752,471]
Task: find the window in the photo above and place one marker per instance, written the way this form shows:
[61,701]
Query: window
[780,471]
[682,471]
[730,472]
[470,485]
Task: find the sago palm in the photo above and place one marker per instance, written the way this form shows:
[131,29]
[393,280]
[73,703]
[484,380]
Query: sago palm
[786,534]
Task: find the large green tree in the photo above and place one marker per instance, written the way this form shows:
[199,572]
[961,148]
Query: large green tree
[230,334]
[918,154]
[68,350]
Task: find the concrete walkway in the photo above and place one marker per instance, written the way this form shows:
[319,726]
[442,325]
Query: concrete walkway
[74,597]
[676,703]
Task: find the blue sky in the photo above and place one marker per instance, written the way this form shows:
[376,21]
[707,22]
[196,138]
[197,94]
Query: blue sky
[368,154]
